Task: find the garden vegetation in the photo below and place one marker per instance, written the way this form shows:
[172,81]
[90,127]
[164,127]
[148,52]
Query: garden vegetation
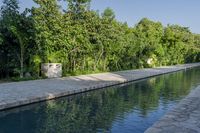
[85,41]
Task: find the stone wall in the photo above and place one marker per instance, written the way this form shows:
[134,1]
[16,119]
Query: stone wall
[51,70]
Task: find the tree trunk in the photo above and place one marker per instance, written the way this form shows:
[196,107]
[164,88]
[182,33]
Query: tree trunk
[97,62]
[104,65]
[74,65]
[83,64]
[21,63]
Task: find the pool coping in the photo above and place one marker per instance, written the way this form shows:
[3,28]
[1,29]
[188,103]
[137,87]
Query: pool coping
[17,94]
[183,118]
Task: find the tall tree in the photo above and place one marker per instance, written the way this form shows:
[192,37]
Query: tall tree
[86,41]
[178,40]
[149,47]
[108,13]
[78,6]
[49,31]
[17,27]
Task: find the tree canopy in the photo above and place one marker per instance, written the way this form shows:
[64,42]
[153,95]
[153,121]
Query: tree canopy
[85,41]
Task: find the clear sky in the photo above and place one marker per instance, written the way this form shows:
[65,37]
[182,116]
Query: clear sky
[182,12]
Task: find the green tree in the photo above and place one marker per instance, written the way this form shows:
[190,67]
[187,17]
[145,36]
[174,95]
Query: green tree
[108,13]
[9,15]
[149,45]
[177,40]
[23,33]
[85,41]
[18,27]
[48,24]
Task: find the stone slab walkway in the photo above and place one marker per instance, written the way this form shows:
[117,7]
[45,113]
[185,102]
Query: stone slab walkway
[184,118]
[21,93]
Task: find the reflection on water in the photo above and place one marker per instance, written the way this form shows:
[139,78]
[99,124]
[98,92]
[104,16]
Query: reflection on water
[127,109]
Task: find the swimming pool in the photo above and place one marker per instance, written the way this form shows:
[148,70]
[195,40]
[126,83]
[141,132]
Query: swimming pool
[126,108]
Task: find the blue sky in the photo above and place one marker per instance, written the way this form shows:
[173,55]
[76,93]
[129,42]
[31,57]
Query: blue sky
[182,12]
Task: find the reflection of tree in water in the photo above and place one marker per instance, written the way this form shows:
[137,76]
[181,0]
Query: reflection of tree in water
[98,110]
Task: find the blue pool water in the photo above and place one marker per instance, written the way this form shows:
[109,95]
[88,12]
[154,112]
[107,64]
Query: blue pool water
[130,108]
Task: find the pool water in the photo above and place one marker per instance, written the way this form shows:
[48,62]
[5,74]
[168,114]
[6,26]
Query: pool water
[130,108]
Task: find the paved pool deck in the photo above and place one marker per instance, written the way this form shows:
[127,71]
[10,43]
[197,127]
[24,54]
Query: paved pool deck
[184,118]
[22,93]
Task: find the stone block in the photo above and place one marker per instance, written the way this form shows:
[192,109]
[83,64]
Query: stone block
[51,70]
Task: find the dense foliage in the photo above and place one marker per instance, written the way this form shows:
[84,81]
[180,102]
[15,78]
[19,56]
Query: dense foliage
[85,41]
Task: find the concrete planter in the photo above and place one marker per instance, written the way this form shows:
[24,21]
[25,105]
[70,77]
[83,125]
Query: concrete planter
[51,70]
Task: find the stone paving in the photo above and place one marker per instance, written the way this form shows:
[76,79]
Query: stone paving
[21,93]
[184,118]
